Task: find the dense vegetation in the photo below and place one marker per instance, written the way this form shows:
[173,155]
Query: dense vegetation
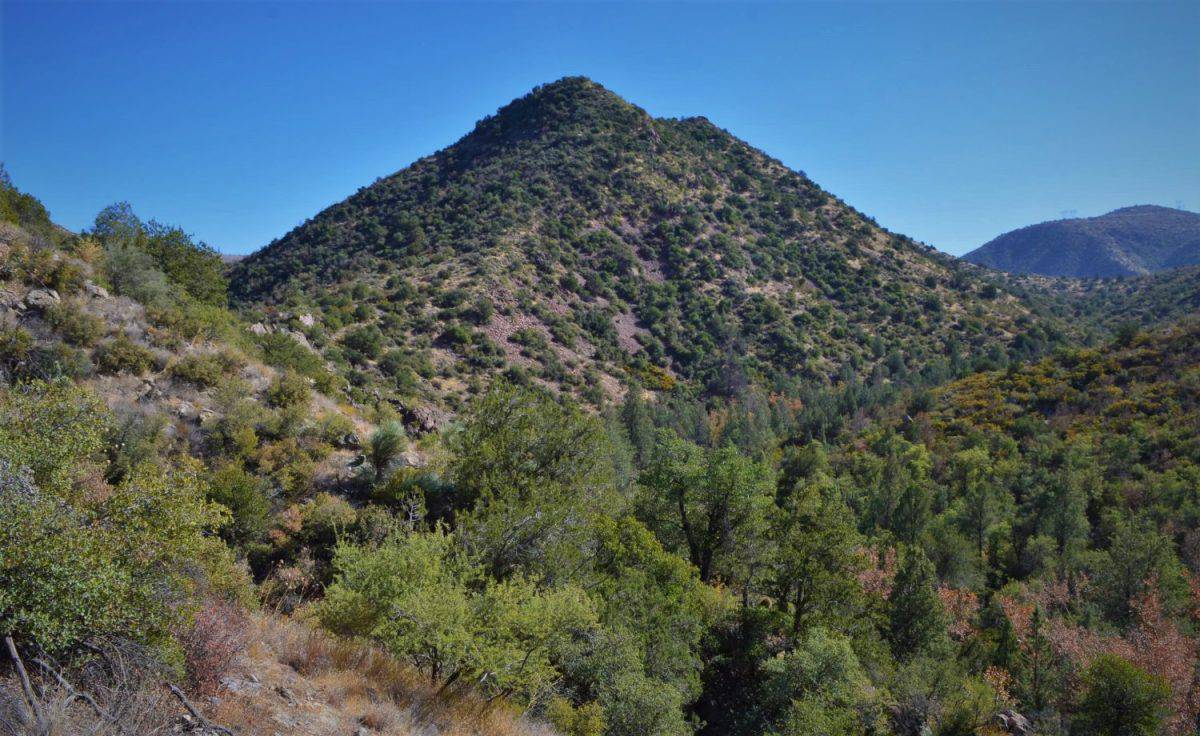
[573,241]
[926,511]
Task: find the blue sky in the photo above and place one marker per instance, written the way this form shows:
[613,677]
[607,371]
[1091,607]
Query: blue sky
[951,123]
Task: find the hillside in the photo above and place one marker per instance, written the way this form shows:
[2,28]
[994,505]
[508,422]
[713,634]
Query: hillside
[575,241]
[1125,242]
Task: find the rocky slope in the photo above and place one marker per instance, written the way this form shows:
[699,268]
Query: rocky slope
[575,241]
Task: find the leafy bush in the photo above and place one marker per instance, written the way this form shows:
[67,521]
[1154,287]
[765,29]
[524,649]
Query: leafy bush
[89,565]
[76,326]
[289,389]
[122,355]
[457,624]
[204,370]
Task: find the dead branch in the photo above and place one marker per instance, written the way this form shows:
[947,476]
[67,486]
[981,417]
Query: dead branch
[35,709]
[207,724]
[72,693]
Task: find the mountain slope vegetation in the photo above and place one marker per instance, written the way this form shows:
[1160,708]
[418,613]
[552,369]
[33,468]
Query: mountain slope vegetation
[1125,242]
[854,488]
[573,240]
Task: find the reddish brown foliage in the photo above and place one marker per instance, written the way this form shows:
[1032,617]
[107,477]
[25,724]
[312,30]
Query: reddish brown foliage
[210,646]
[960,606]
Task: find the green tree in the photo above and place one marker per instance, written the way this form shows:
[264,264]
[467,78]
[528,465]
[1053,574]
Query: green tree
[983,498]
[1138,555]
[424,598]
[652,597]
[916,620]
[529,472]
[1118,699]
[712,504]
[817,554]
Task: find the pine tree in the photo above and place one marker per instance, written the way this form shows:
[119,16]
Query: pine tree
[916,621]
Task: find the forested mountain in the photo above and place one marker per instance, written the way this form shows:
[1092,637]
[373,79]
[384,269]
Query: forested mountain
[1124,242]
[573,240]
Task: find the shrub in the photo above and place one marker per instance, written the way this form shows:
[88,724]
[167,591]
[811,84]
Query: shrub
[288,466]
[15,346]
[289,389]
[245,495]
[76,326]
[117,562]
[122,355]
[457,624]
[364,342]
[211,644]
[1118,699]
[204,370]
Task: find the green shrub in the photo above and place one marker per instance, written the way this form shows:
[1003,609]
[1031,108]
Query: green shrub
[289,389]
[122,355]
[85,566]
[76,326]
[15,346]
[245,495]
[204,370]
[364,342]
[457,624]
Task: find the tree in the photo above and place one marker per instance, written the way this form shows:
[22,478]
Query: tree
[652,597]
[1138,555]
[982,497]
[711,503]
[528,474]
[1118,699]
[424,598]
[817,688]
[191,265]
[639,425]
[916,621]
[817,554]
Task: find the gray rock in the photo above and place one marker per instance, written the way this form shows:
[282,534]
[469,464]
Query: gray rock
[42,298]
[307,320]
[258,328]
[428,418]
[1014,723]
[95,290]
[300,337]
[238,685]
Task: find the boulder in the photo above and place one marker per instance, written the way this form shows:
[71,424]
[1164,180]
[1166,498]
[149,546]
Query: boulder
[95,290]
[427,418]
[307,320]
[300,337]
[1014,723]
[258,328]
[42,298]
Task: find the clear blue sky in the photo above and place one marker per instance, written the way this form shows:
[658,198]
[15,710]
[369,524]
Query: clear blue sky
[948,122]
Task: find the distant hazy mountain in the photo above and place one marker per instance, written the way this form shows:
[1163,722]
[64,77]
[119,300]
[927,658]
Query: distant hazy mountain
[1125,242]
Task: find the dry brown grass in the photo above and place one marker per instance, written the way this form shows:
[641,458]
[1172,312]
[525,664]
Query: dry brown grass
[311,683]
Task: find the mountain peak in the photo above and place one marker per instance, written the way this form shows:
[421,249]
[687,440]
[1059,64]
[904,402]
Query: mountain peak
[568,105]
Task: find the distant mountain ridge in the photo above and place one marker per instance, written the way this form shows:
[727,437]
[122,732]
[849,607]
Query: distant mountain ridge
[1125,242]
